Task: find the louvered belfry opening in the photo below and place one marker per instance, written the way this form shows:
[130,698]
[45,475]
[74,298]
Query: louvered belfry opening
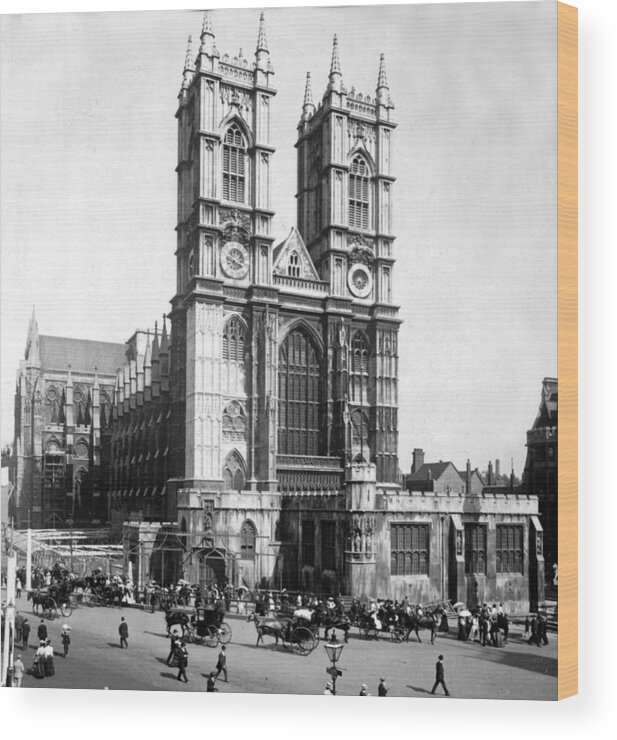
[234,165]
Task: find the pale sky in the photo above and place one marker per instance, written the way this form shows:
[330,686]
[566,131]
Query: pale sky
[88,190]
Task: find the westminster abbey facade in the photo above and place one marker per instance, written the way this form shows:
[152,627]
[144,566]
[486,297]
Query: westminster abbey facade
[254,436]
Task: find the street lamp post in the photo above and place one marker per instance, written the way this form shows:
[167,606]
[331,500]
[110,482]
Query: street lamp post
[334,648]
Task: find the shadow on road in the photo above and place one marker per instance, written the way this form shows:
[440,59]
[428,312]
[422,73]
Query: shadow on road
[156,634]
[419,689]
[115,644]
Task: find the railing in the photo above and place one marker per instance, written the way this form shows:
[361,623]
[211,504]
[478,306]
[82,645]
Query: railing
[310,461]
[300,283]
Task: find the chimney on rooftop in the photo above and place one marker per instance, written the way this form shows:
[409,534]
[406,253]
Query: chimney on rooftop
[418,460]
[497,468]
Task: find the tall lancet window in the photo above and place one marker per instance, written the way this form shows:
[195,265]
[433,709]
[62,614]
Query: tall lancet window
[234,165]
[359,194]
[234,345]
[359,368]
[299,381]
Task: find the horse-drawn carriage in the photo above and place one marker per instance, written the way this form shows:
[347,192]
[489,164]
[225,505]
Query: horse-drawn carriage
[203,625]
[47,601]
[293,632]
[371,626]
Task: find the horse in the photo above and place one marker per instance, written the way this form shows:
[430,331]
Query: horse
[411,621]
[279,628]
[42,599]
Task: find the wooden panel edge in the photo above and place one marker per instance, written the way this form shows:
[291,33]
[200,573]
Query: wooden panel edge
[567,318]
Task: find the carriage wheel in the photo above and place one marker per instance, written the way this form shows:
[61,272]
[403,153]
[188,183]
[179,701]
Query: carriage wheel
[52,608]
[397,634]
[224,633]
[66,609]
[211,638]
[302,641]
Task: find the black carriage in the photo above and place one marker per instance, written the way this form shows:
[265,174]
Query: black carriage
[371,628]
[46,602]
[202,625]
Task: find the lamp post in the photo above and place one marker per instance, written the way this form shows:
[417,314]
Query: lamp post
[70,523]
[334,648]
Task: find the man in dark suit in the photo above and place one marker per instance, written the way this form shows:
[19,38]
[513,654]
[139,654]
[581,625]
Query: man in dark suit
[25,632]
[123,631]
[183,659]
[42,631]
[210,686]
[221,666]
[440,676]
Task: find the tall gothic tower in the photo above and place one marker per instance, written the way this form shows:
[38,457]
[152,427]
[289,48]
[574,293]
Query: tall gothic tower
[224,268]
[345,218]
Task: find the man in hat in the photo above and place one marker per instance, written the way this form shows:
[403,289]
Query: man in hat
[123,631]
[42,631]
[18,672]
[440,676]
[382,689]
[25,633]
[173,647]
[183,659]
[363,690]
[221,665]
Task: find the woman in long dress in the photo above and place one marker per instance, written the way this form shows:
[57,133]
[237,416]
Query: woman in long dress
[49,658]
[38,668]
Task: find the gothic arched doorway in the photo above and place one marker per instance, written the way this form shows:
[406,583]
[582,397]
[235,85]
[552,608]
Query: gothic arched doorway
[211,568]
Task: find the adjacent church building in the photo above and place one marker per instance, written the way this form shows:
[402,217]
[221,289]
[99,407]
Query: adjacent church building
[254,437]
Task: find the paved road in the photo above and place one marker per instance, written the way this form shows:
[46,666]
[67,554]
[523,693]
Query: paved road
[95,661]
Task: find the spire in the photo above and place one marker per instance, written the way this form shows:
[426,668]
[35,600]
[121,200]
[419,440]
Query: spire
[207,36]
[164,338]
[336,76]
[262,55]
[31,352]
[308,108]
[262,43]
[383,90]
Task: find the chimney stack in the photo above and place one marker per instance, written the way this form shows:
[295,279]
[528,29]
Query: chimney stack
[418,460]
[491,479]
[497,474]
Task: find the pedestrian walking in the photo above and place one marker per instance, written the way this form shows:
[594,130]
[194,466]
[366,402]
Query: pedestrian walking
[18,587]
[66,640]
[25,633]
[123,631]
[38,668]
[382,689]
[18,672]
[183,659]
[221,666]
[211,685]
[173,647]
[49,659]
[440,676]
[42,631]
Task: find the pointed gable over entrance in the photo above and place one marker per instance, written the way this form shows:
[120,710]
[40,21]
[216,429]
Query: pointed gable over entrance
[291,258]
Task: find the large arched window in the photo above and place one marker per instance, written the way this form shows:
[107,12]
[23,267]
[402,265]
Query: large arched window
[248,535]
[234,165]
[359,194]
[299,413]
[233,472]
[234,338]
[360,351]
[53,411]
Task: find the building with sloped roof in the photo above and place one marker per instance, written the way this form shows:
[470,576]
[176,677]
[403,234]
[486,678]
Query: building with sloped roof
[63,402]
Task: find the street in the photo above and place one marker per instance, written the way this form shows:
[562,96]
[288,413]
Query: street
[96,661]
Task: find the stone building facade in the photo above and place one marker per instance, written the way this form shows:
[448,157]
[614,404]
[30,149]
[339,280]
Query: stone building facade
[540,474]
[256,440]
[63,420]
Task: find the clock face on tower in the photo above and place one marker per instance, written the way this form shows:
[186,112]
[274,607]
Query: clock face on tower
[360,281]
[234,260]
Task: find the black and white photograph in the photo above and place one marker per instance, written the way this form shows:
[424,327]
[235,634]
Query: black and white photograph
[279,400]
